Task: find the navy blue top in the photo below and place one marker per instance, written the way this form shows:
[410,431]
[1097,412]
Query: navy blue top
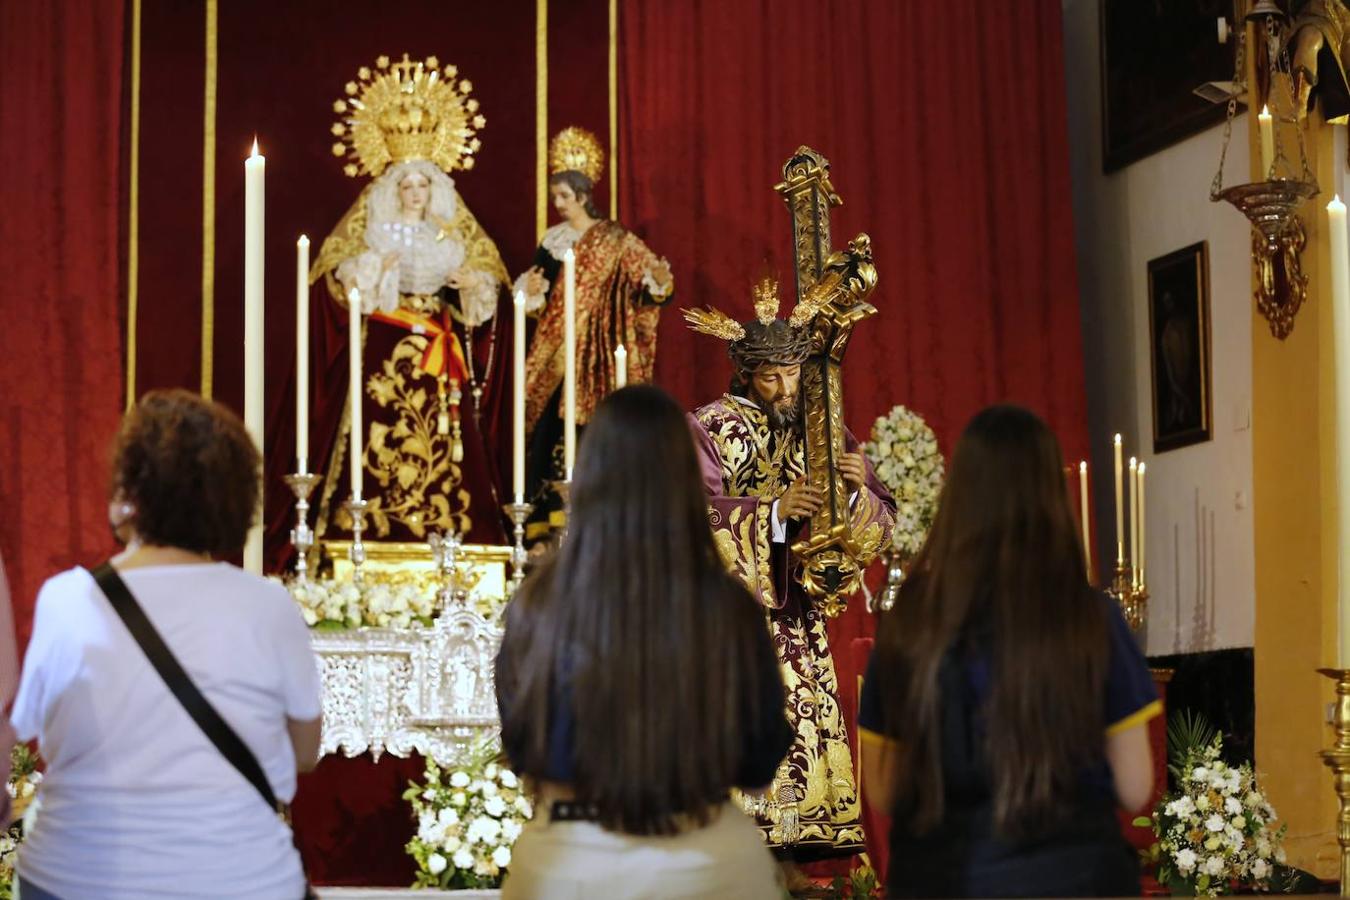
[950,860]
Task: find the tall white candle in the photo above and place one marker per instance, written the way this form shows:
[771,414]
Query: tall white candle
[1120,509]
[570,361]
[518,406]
[1134,520]
[1083,515]
[302,355]
[1143,528]
[1340,306]
[255,169]
[355,392]
[620,366]
[1267,128]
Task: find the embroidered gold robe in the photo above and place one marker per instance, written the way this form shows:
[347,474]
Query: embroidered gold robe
[812,808]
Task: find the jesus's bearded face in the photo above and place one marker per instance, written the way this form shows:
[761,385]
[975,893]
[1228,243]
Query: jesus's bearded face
[774,389]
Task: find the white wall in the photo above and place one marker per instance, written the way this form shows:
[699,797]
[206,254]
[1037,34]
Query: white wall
[1201,573]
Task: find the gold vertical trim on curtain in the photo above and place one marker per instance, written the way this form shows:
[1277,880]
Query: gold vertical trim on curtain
[614,109]
[133,203]
[209,202]
[541,115]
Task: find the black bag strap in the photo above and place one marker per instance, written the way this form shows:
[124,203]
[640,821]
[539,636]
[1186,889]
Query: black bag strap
[198,707]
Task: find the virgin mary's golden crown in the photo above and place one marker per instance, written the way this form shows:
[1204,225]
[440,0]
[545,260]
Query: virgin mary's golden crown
[404,111]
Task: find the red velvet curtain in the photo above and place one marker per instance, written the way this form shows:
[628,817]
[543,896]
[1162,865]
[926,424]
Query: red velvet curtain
[945,124]
[61,131]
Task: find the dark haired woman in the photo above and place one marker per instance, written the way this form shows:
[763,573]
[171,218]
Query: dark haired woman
[137,802]
[636,682]
[1005,706]
[620,287]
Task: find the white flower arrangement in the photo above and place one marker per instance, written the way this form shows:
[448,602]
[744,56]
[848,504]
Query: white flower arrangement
[904,453]
[1216,831]
[468,820]
[24,779]
[333,605]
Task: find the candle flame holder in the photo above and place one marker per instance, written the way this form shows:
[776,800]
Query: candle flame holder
[519,513]
[1337,759]
[356,508]
[1132,596]
[302,484]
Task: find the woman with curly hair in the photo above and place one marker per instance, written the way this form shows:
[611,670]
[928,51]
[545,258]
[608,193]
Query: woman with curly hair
[137,801]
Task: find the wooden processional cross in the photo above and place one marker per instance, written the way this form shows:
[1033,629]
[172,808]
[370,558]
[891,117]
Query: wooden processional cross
[835,285]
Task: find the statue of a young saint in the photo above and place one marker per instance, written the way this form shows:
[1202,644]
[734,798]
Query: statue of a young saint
[751,447]
[428,278]
[621,286]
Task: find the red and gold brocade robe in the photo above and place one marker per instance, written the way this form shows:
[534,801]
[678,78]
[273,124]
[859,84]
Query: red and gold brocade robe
[812,808]
[614,306]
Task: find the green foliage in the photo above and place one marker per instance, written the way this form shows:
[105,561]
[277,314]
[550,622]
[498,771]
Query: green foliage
[1188,734]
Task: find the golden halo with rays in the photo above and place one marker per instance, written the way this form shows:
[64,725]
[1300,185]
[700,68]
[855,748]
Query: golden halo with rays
[406,110]
[576,149]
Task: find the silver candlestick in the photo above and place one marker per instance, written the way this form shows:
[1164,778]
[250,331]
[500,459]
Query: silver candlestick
[518,512]
[302,537]
[356,508]
[445,552]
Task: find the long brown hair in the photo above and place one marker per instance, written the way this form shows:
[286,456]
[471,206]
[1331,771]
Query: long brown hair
[662,652]
[1002,574]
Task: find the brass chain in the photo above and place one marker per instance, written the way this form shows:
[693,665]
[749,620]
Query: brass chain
[1239,74]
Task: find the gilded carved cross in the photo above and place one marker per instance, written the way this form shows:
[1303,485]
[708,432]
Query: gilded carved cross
[834,286]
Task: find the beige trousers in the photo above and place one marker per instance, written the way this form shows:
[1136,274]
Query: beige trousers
[564,860]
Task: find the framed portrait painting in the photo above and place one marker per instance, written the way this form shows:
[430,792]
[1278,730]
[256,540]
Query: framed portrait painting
[1178,330]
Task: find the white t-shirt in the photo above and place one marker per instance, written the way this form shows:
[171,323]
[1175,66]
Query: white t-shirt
[136,801]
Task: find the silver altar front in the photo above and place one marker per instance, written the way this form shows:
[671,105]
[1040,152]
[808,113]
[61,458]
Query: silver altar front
[427,690]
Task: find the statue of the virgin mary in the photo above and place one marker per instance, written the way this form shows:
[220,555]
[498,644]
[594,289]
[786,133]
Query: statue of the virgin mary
[428,280]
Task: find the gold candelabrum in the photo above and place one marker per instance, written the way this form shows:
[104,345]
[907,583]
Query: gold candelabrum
[1130,591]
[1337,759]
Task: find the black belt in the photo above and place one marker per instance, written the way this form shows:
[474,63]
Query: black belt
[573,811]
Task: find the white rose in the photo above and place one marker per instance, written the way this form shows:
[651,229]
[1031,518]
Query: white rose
[1212,843]
[511,830]
[501,857]
[436,864]
[1214,865]
[1232,805]
[458,798]
[1215,822]
[426,825]
[495,806]
[1202,803]
[509,779]
[490,771]
[451,844]
[1237,822]
[1253,800]
[523,804]
[1186,859]
[459,780]
[448,817]
[1260,869]
[489,789]
[463,859]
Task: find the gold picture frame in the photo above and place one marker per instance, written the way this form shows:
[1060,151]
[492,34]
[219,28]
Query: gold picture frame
[1179,347]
